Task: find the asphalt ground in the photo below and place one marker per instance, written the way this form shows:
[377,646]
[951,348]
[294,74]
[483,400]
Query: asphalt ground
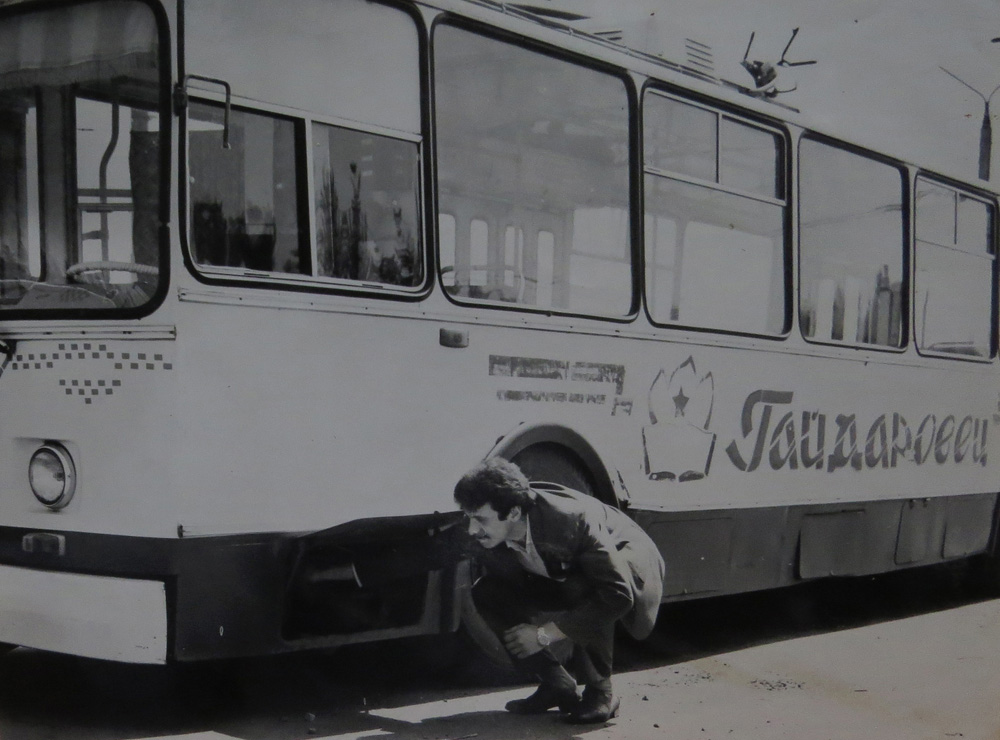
[911,656]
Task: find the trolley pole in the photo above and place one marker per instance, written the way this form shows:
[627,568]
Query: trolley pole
[986,130]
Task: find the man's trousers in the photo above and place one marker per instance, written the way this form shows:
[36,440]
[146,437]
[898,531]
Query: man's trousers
[532,599]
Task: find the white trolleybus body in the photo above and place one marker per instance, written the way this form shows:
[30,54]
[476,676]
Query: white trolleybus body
[274,275]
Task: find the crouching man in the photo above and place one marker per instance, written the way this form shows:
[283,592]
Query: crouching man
[559,570]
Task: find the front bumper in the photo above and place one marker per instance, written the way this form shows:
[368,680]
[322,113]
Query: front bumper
[155,600]
[118,619]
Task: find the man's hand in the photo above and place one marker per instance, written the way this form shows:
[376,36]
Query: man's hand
[522,640]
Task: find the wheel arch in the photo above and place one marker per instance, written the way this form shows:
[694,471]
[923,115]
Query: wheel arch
[572,442]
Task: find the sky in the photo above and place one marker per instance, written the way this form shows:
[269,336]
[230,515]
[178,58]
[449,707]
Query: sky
[878,77]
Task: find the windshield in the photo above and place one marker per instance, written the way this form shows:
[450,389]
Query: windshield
[79,158]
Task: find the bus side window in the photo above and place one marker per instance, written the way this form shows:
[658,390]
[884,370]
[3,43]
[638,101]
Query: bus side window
[533,167]
[715,214]
[954,271]
[244,200]
[367,207]
[312,195]
[851,281]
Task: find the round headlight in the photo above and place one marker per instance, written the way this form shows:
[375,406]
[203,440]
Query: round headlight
[52,475]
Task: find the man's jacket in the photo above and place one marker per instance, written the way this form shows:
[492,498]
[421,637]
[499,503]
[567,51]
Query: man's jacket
[580,538]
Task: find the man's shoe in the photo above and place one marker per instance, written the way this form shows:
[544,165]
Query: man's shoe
[545,698]
[595,707]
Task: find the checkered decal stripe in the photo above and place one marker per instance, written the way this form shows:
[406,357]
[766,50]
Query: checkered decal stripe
[119,363]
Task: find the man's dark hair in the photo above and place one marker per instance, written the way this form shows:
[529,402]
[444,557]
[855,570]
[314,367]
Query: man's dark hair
[497,482]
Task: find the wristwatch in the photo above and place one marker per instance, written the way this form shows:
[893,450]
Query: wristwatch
[543,637]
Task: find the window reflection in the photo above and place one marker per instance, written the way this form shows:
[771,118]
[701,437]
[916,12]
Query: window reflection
[679,137]
[532,177]
[244,200]
[953,276]
[749,159]
[80,197]
[714,259]
[715,250]
[366,207]
[973,224]
[851,239]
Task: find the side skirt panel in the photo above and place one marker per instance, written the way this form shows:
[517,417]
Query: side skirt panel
[731,551]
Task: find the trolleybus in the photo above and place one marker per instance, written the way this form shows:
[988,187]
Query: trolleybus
[274,275]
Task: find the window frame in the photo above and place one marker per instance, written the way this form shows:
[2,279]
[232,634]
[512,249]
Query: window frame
[633,175]
[303,123]
[906,242]
[784,200]
[303,120]
[959,189]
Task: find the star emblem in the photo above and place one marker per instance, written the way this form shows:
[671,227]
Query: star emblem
[680,402]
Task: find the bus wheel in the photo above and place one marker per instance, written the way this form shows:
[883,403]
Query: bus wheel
[554,464]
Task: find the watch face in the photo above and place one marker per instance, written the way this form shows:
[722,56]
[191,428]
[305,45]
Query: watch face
[543,637]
